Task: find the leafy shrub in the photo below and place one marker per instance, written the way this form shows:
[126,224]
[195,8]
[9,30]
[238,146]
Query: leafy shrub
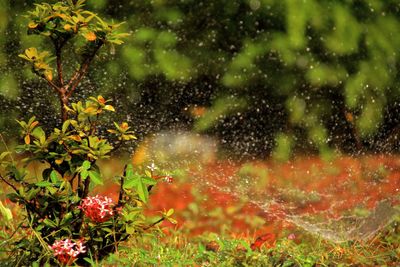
[62,222]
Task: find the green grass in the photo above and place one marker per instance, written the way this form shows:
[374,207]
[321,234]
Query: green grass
[179,249]
[176,249]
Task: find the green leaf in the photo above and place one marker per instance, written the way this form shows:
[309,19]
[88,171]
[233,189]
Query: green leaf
[129,171]
[131,183]
[30,193]
[22,124]
[67,218]
[142,191]
[53,176]
[169,212]
[49,223]
[96,178]
[84,174]
[65,126]
[38,133]
[31,120]
[86,165]
[148,181]
[43,184]
[130,229]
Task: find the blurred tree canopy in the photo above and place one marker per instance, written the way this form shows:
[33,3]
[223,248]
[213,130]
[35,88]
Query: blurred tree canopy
[265,76]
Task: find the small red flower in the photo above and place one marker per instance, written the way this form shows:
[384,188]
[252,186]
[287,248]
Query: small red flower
[98,209]
[164,178]
[269,238]
[168,179]
[66,251]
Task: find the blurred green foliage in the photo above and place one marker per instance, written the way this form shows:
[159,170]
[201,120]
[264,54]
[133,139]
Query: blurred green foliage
[290,75]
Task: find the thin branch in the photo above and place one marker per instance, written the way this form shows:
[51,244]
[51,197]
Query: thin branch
[8,183]
[78,75]
[121,189]
[154,223]
[59,67]
[86,189]
[53,85]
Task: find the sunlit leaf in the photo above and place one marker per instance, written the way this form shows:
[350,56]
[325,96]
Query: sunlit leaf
[148,181]
[5,212]
[169,212]
[32,25]
[109,108]
[38,133]
[43,184]
[95,177]
[142,191]
[86,165]
[90,110]
[53,176]
[31,52]
[84,174]
[48,74]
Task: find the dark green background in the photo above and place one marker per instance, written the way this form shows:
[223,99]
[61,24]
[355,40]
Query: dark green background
[275,76]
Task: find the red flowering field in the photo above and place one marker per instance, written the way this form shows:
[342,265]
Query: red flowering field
[210,198]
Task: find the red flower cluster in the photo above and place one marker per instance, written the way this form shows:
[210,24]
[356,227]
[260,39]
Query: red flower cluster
[66,250]
[98,209]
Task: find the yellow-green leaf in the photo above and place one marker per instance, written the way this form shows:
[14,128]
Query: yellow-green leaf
[5,212]
[32,25]
[31,53]
[109,108]
[48,74]
[169,212]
